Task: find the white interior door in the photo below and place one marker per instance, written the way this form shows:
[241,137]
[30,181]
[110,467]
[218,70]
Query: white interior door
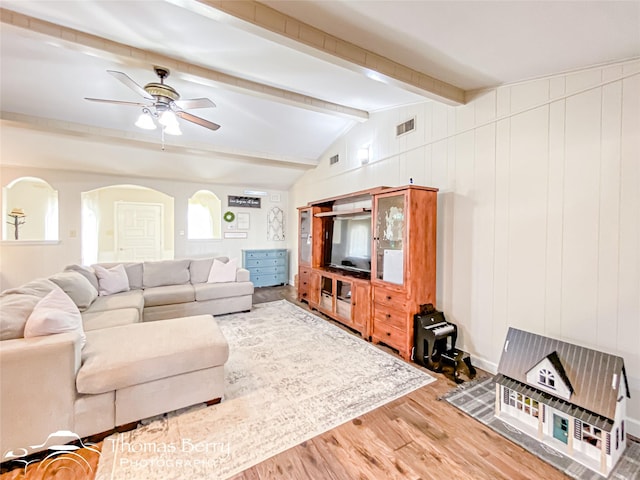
[139,231]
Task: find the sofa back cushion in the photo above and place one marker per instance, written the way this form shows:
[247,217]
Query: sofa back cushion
[165,272]
[15,308]
[111,280]
[55,313]
[77,287]
[134,272]
[86,272]
[38,287]
[200,268]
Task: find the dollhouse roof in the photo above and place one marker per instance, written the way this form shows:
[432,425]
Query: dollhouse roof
[594,377]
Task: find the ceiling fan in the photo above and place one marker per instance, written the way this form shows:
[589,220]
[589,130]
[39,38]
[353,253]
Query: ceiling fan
[165,104]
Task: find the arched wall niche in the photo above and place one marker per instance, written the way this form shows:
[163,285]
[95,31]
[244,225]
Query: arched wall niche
[30,210]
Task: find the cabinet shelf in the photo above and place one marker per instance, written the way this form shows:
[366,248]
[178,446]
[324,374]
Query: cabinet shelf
[338,213]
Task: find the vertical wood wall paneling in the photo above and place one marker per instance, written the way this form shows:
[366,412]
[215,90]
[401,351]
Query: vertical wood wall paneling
[580,216]
[501,232]
[527,218]
[553,260]
[483,241]
[463,205]
[629,277]
[609,215]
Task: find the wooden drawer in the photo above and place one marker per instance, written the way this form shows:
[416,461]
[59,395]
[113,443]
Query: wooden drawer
[389,316]
[264,262]
[385,333]
[304,271]
[390,298]
[258,254]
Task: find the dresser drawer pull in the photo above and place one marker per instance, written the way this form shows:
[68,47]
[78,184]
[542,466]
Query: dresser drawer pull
[388,297]
[388,334]
[388,315]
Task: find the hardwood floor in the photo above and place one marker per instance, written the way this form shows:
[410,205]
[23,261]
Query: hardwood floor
[414,437]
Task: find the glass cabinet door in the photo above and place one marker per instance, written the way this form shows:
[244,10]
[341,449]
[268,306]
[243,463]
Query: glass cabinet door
[389,238]
[343,299]
[305,237]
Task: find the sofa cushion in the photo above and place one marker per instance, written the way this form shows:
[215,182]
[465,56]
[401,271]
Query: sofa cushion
[134,272]
[111,280]
[212,291]
[223,272]
[77,287]
[130,299]
[165,272]
[15,308]
[109,318]
[54,313]
[168,295]
[38,287]
[120,357]
[200,268]
[86,272]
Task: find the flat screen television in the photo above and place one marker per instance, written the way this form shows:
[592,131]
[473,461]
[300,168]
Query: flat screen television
[351,243]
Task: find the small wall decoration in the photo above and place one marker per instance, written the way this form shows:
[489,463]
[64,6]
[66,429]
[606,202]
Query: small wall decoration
[238,201]
[229,217]
[235,235]
[275,224]
[243,221]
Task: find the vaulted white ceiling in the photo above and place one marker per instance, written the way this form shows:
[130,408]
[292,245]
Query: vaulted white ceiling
[288,77]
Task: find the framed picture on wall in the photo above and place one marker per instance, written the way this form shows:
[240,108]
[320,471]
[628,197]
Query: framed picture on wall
[243,221]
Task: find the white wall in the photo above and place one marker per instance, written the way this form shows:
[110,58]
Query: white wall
[20,263]
[539,207]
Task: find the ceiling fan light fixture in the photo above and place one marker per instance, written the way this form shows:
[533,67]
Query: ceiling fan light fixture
[169,119]
[173,129]
[145,121]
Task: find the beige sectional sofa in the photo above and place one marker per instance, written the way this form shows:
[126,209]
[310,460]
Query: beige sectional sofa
[150,349]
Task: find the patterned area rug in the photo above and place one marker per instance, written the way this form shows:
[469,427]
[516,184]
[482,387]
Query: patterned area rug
[290,377]
[477,399]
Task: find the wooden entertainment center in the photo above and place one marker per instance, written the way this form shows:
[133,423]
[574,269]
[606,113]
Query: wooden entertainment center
[368,260]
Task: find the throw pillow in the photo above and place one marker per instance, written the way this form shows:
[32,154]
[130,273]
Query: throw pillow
[55,313]
[111,280]
[77,287]
[223,272]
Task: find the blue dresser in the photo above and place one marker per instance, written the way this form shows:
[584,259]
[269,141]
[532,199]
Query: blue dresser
[267,267]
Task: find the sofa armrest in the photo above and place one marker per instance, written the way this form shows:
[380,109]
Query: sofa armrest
[242,275]
[37,388]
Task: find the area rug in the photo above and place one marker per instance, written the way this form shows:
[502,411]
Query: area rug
[477,399]
[290,376]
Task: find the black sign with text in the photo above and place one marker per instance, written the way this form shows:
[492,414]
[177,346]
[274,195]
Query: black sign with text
[237,201]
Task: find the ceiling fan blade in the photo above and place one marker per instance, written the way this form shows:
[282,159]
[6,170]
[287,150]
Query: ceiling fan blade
[117,102]
[190,103]
[197,120]
[124,78]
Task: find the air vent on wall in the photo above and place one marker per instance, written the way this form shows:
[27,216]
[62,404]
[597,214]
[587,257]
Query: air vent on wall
[333,160]
[406,127]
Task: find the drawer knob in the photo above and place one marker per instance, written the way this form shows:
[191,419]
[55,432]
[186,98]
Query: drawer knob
[388,297]
[388,334]
[388,315]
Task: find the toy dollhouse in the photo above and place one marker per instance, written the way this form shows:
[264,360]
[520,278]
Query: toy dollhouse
[571,398]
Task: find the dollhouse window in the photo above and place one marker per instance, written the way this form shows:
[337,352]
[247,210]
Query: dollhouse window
[591,435]
[547,378]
